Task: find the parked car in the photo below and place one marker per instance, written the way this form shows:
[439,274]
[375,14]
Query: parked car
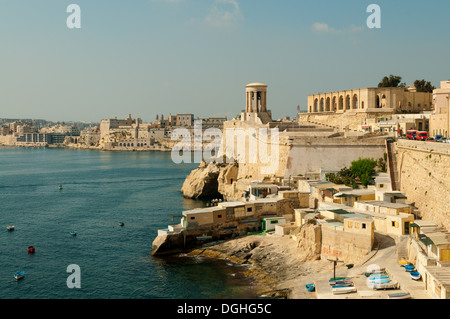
[438,138]
[430,139]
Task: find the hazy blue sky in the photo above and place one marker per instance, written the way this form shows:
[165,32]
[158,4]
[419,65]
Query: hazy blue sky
[148,57]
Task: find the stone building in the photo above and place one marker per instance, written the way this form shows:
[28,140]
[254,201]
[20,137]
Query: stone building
[366,109]
[440,119]
[185,120]
[371,100]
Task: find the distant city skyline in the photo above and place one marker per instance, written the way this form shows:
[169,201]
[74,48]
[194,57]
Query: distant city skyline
[149,57]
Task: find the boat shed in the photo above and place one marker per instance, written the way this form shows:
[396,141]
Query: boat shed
[437,282]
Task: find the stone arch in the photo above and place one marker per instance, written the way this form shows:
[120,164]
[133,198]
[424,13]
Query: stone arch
[383,101]
[341,102]
[316,105]
[322,105]
[333,104]
[377,102]
[327,105]
[355,101]
[347,102]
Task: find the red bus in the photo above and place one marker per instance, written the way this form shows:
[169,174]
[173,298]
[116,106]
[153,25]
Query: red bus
[411,134]
[421,136]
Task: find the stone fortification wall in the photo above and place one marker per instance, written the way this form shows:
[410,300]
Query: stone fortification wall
[424,173]
[340,122]
[315,154]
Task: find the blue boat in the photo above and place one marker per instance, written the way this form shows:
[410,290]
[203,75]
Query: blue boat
[409,268]
[19,275]
[73,233]
[415,275]
[310,287]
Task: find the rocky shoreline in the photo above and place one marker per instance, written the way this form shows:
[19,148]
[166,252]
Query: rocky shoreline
[280,265]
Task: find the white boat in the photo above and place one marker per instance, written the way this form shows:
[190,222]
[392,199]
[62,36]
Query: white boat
[19,275]
[386,285]
[10,228]
[400,295]
[343,290]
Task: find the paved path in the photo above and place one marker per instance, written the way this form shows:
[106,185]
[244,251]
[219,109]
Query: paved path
[386,257]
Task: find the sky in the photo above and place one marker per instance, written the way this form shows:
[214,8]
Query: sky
[149,57]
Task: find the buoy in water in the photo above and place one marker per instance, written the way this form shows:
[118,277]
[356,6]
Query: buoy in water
[31,249]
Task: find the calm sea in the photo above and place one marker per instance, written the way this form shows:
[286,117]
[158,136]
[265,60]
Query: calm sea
[100,190]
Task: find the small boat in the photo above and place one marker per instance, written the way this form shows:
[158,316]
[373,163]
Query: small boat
[375,272]
[121,224]
[409,268]
[403,262]
[73,233]
[385,285]
[19,275]
[350,284]
[343,290]
[10,228]
[400,295]
[31,249]
[415,275]
[342,283]
[60,186]
[333,281]
[378,278]
[310,287]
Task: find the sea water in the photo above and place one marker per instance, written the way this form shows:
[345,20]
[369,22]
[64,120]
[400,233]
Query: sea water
[99,191]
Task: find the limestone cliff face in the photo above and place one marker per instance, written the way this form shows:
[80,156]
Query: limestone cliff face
[202,183]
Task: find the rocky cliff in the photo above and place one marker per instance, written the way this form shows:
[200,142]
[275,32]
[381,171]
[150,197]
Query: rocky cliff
[202,183]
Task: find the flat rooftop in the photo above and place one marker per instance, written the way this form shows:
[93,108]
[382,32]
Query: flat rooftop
[384,204]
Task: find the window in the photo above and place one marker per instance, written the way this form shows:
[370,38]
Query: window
[357,225]
[192,218]
[363,226]
[219,216]
[350,224]
[249,209]
[274,221]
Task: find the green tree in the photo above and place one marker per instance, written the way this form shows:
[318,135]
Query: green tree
[364,169]
[391,81]
[424,86]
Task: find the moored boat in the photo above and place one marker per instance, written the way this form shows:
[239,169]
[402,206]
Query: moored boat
[400,295]
[19,275]
[343,290]
[73,233]
[379,277]
[310,287]
[31,249]
[403,262]
[409,268]
[10,228]
[415,275]
[375,272]
[385,285]
[333,281]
